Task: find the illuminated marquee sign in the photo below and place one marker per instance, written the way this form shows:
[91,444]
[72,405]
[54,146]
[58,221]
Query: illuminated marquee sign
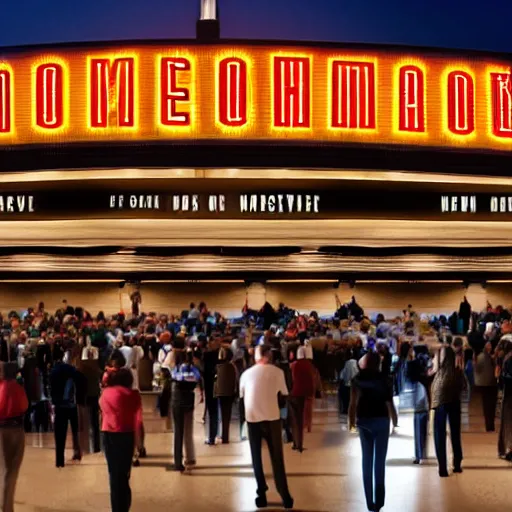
[330,95]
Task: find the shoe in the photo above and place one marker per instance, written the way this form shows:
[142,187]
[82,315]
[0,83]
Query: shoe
[136,463]
[294,447]
[209,442]
[416,461]
[174,467]
[261,501]
[142,453]
[457,469]
[243,438]
[190,463]
[443,474]
[288,503]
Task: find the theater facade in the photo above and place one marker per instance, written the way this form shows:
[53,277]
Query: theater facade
[255,160]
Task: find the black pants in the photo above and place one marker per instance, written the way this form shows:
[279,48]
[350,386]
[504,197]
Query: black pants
[297,404]
[226,409]
[241,412]
[451,412]
[343,398]
[93,409]
[270,431]
[63,416]
[212,407]
[119,448]
[489,399]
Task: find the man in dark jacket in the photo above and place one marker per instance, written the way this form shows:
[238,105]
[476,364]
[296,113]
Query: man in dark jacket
[65,384]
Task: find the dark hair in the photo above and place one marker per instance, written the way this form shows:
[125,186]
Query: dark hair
[122,377]
[448,363]
[117,359]
[265,351]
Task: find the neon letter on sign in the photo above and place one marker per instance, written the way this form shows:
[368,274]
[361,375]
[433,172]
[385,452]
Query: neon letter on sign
[501,104]
[353,95]
[233,92]
[412,99]
[112,92]
[291,92]
[5,101]
[171,94]
[49,96]
[461,103]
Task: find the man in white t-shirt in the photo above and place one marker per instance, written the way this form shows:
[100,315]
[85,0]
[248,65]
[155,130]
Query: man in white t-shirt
[260,386]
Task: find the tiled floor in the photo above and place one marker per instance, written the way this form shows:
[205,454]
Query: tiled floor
[325,478]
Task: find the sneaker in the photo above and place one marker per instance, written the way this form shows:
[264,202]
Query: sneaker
[416,461]
[209,442]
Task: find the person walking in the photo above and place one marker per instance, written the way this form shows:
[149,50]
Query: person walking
[185,378]
[91,370]
[420,401]
[225,391]
[487,384]
[347,375]
[261,388]
[64,380]
[13,405]
[371,407]
[303,387]
[447,388]
[210,360]
[121,408]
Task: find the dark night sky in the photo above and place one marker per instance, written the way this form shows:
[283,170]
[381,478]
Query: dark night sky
[476,24]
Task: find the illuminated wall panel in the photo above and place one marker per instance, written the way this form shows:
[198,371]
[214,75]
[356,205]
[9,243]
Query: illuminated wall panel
[174,91]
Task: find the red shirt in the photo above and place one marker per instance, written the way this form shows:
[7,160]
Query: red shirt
[304,378]
[13,400]
[121,409]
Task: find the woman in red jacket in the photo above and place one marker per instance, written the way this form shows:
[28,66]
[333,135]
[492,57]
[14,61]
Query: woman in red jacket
[13,405]
[121,409]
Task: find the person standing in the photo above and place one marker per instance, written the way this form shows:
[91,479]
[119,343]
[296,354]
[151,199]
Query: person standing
[487,384]
[447,388]
[261,388]
[371,407]
[185,377]
[64,379]
[121,408]
[303,387]
[419,381]
[13,405]
[90,369]
[210,360]
[225,391]
[347,375]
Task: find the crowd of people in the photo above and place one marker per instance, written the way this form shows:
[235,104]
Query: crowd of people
[71,368]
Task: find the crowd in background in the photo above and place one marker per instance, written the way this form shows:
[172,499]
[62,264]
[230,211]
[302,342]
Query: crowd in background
[67,361]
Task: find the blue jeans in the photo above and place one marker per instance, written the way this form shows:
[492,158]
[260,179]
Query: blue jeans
[374,435]
[420,435]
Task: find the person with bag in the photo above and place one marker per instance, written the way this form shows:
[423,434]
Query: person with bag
[64,379]
[13,406]
[225,391]
[185,378]
[447,388]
